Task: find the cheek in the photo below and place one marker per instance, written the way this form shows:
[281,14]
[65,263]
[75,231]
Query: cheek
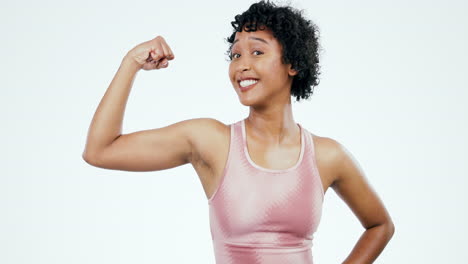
[231,72]
[274,69]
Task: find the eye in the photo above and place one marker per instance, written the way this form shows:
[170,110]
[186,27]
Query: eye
[233,55]
[258,52]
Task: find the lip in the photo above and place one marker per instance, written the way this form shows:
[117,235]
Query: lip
[243,89]
[246,78]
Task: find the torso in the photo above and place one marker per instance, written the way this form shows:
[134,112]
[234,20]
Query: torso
[210,156]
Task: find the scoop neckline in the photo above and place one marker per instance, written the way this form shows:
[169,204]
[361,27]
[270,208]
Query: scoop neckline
[249,159]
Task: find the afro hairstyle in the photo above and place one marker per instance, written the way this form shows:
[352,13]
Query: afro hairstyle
[298,37]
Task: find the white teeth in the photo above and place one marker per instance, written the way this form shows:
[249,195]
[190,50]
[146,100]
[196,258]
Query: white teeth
[245,83]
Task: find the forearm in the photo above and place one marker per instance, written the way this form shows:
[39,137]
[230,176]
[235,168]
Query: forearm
[370,244]
[106,124]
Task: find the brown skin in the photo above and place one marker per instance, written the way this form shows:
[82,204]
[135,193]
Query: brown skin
[273,138]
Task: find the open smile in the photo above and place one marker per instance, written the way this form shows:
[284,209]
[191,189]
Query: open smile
[247,85]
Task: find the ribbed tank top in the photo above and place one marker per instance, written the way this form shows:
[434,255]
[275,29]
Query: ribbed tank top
[265,216]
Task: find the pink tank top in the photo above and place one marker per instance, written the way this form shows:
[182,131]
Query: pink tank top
[265,216]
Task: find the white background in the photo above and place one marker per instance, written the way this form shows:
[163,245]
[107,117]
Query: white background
[393,91]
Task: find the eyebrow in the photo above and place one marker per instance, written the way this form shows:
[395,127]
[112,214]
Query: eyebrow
[254,38]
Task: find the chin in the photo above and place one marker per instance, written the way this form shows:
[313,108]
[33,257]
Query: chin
[245,101]
[250,101]
[250,98]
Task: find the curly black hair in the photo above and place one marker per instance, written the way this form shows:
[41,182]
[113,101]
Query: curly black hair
[298,36]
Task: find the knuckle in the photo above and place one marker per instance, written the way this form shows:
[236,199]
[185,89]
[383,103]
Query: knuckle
[159,53]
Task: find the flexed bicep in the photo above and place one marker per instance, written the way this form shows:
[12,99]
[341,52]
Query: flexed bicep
[148,150]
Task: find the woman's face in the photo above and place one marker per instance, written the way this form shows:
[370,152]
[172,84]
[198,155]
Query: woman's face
[257,55]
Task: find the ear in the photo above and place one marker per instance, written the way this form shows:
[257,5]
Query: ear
[291,71]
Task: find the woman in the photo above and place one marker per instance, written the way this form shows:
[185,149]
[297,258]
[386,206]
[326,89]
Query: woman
[264,176]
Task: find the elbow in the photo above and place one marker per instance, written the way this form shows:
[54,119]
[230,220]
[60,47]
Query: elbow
[386,229]
[90,159]
[86,158]
[391,229]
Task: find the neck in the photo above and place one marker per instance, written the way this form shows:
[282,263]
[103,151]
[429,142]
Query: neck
[275,124]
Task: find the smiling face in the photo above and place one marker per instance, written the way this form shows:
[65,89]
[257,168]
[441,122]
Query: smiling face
[257,55]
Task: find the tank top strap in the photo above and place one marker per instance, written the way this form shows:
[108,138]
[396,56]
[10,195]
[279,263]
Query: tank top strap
[311,162]
[237,140]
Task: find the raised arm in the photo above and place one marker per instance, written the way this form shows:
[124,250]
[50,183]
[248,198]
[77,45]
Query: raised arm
[154,149]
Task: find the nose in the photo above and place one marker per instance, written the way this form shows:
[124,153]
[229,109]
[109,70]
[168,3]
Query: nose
[243,64]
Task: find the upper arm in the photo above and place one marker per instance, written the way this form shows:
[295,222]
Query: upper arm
[352,186]
[150,150]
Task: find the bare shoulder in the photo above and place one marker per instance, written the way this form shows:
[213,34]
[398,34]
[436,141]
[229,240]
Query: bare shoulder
[338,163]
[206,124]
[205,127]
[206,136]
[329,154]
[328,148]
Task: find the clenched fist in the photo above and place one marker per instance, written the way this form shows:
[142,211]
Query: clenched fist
[152,54]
